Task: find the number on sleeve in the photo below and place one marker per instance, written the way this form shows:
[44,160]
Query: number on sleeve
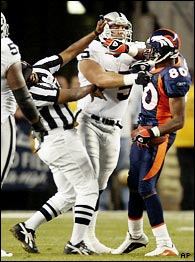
[85,54]
[13,48]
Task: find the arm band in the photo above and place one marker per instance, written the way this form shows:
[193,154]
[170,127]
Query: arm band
[133,50]
[26,104]
[129,79]
[155,130]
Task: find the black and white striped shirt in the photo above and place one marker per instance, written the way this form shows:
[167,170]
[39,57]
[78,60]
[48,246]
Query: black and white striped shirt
[45,94]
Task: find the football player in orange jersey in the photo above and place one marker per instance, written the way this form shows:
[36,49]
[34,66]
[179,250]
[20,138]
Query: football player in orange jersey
[162,114]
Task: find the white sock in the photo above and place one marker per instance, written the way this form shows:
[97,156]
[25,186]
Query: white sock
[35,221]
[78,233]
[162,236]
[135,227]
[92,226]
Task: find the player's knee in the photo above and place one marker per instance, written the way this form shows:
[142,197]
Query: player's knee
[146,194]
[63,201]
[146,189]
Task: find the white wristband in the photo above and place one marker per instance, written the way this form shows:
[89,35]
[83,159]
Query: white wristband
[129,79]
[155,131]
[133,50]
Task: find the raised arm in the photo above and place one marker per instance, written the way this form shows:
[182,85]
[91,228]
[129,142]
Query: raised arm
[73,50]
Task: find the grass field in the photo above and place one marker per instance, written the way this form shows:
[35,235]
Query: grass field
[111,230]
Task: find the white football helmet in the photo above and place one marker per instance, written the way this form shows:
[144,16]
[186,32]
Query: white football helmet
[116,18]
[4,26]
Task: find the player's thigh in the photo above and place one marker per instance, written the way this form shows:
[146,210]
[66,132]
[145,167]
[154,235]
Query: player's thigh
[75,163]
[109,154]
[91,138]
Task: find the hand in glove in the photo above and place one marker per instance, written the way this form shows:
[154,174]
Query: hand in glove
[142,136]
[38,132]
[143,78]
[147,136]
[115,46]
[140,78]
[139,66]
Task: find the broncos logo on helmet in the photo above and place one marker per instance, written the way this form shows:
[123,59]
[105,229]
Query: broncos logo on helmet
[163,43]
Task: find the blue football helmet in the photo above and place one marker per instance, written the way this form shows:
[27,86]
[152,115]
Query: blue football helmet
[163,43]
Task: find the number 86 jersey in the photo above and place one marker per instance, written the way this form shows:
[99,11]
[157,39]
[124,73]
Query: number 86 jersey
[166,82]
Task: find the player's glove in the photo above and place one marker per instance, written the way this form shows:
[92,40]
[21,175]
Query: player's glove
[139,66]
[115,46]
[143,78]
[38,132]
[143,135]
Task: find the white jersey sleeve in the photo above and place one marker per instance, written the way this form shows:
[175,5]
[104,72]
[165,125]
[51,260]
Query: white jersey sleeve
[9,55]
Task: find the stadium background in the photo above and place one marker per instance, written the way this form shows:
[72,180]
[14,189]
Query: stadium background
[43,28]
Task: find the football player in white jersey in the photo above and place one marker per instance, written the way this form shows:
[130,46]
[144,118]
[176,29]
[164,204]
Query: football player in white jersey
[100,123]
[13,92]
[58,203]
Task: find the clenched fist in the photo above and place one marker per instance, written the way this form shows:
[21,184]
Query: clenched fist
[143,78]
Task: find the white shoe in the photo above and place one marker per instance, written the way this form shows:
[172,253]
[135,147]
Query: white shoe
[130,244]
[163,251]
[95,245]
[5,253]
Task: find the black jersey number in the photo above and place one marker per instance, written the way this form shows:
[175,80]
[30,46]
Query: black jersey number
[13,48]
[124,91]
[85,54]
